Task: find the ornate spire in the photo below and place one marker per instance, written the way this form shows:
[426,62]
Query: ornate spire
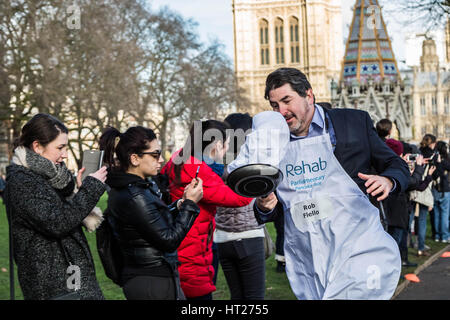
[368,51]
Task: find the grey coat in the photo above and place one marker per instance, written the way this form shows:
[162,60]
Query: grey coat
[237,219]
[41,217]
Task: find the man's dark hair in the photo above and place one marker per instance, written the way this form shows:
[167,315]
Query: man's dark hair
[294,77]
[238,121]
[384,127]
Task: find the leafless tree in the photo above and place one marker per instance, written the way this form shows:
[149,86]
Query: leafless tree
[431,14]
[107,62]
[210,89]
[83,74]
[168,40]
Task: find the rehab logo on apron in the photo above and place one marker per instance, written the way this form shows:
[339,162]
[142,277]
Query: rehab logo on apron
[305,175]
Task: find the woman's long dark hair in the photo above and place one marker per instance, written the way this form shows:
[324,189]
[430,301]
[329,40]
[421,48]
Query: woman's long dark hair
[441,147]
[190,148]
[133,141]
[43,128]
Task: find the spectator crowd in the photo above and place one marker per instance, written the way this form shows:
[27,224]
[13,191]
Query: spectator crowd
[174,221]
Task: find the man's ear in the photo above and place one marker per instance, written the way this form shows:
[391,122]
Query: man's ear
[310,96]
[37,147]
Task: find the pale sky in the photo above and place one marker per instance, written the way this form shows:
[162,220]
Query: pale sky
[215,20]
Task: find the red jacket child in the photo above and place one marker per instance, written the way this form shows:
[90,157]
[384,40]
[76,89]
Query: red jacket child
[195,252]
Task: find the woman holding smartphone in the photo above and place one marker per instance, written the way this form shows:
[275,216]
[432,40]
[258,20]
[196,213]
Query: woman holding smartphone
[148,231]
[46,216]
[202,156]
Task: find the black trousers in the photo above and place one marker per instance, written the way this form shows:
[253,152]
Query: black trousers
[153,288]
[279,227]
[244,265]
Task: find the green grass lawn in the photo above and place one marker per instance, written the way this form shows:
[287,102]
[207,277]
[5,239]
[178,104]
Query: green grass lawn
[277,285]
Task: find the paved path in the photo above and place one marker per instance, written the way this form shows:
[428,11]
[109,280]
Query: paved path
[434,283]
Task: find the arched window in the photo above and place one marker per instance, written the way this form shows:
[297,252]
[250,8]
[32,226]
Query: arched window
[264,41]
[279,41]
[294,37]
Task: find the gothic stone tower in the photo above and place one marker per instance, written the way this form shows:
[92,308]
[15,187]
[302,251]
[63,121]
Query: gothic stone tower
[431,95]
[370,79]
[269,34]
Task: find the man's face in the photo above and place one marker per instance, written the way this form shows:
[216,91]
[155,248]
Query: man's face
[298,111]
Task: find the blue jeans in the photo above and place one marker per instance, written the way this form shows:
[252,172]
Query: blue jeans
[441,212]
[422,224]
[396,233]
[400,236]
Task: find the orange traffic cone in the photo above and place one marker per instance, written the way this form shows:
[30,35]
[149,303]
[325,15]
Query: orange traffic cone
[412,277]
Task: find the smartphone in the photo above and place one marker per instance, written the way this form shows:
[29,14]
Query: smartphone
[92,161]
[196,175]
[413,157]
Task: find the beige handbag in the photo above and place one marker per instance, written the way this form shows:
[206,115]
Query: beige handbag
[423,197]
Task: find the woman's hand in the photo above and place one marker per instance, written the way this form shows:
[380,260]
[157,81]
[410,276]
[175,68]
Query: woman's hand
[405,157]
[420,160]
[431,170]
[194,190]
[80,173]
[100,174]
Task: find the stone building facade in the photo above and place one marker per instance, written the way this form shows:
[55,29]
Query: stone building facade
[431,95]
[269,34]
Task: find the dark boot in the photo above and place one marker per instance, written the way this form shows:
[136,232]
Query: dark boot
[281,267]
[407,264]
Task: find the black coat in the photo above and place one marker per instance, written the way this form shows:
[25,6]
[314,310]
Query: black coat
[360,149]
[398,206]
[149,231]
[442,175]
[41,220]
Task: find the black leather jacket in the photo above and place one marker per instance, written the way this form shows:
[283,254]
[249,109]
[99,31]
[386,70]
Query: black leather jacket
[148,230]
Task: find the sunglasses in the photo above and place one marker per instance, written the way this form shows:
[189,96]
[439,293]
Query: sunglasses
[155,154]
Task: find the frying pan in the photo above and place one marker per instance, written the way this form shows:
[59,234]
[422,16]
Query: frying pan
[255,180]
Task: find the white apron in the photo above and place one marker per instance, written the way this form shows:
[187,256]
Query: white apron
[335,246]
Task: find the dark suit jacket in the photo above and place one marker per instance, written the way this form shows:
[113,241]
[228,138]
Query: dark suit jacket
[359,149]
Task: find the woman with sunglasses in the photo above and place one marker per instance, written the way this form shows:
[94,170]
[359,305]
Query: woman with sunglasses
[148,231]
